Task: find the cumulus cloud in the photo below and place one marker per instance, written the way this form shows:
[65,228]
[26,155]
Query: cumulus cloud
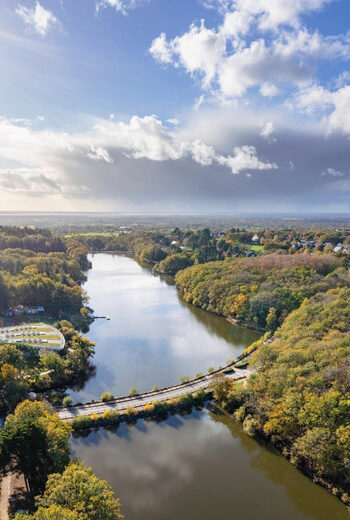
[37,19]
[245,158]
[335,104]
[332,172]
[99,154]
[122,6]
[229,61]
[269,14]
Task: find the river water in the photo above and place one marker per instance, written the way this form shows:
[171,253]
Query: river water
[193,467]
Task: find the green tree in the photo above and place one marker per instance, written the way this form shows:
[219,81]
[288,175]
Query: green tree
[271,320]
[33,442]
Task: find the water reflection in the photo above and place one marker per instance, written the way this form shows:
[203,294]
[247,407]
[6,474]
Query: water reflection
[153,337]
[199,467]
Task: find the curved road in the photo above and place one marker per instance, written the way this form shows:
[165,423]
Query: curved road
[139,401]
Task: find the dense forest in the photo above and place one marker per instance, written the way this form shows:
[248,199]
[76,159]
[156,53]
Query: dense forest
[33,239]
[35,274]
[260,291]
[299,394]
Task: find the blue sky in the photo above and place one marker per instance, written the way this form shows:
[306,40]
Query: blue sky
[179,106]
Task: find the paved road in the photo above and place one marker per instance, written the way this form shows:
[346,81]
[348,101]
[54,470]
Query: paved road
[122,403]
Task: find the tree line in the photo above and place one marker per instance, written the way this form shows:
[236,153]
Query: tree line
[299,394]
[260,291]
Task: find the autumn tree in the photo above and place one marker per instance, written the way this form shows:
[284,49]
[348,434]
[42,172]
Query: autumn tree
[79,490]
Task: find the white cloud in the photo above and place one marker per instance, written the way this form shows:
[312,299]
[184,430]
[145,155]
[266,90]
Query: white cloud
[161,50]
[311,98]
[99,154]
[270,14]
[268,90]
[339,119]
[229,65]
[37,182]
[37,19]
[336,105]
[236,23]
[202,153]
[198,50]
[245,158]
[173,121]
[28,180]
[343,79]
[267,131]
[122,6]
[332,172]
[46,155]
[198,102]
[257,43]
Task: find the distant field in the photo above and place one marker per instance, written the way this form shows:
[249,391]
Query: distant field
[93,234]
[256,247]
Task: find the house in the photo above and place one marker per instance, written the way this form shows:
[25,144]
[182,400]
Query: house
[255,239]
[338,249]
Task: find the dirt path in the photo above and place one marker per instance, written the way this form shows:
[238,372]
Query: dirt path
[5,489]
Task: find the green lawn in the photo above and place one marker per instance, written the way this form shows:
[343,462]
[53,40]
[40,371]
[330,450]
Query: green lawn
[257,247]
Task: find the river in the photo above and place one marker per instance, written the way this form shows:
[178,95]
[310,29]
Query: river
[192,467]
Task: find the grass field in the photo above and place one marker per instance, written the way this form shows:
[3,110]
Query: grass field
[256,247]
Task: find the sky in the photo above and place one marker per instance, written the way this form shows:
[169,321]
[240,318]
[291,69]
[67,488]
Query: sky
[175,106]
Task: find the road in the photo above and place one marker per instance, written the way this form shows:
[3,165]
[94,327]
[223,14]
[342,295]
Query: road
[138,401]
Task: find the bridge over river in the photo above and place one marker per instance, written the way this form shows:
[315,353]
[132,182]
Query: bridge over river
[121,404]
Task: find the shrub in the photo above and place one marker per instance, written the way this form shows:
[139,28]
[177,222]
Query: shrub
[185,400]
[110,415]
[155,388]
[130,411]
[200,396]
[133,391]
[160,407]
[94,417]
[106,396]
[67,401]
[184,379]
[79,423]
[251,425]
[211,370]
